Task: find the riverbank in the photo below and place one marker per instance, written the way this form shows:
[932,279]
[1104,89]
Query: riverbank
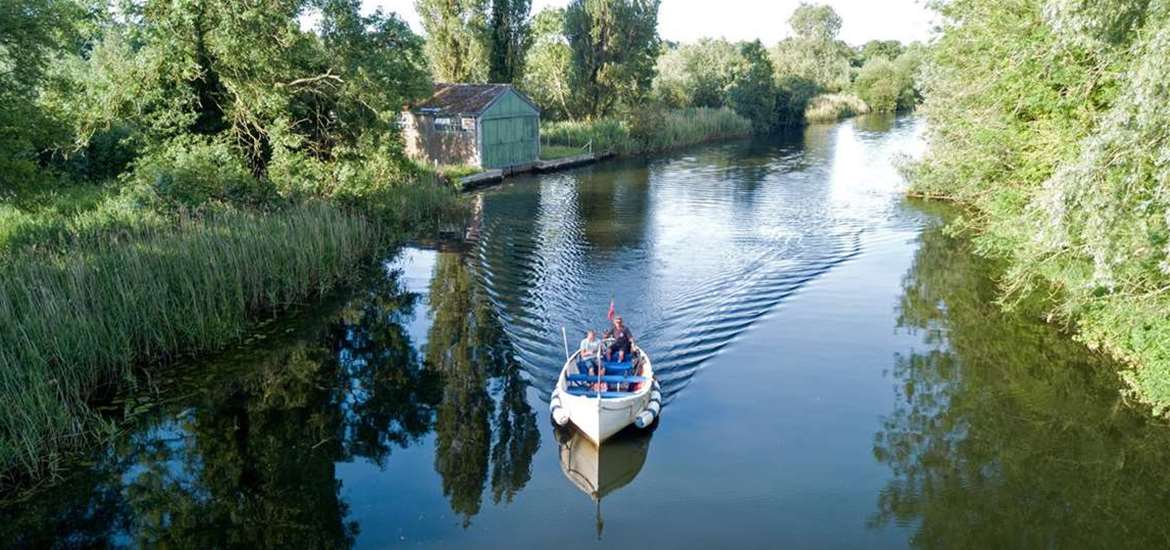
[94,292]
[892,400]
[649,131]
[1063,173]
[577,143]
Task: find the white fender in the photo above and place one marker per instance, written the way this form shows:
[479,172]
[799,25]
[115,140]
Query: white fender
[559,414]
[647,416]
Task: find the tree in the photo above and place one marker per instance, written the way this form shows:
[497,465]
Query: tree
[697,74]
[753,95]
[548,66]
[614,45]
[890,49]
[815,23]
[879,84]
[511,36]
[458,44]
[813,52]
[32,33]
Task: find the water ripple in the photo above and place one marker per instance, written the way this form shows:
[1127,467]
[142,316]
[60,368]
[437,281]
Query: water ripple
[694,249]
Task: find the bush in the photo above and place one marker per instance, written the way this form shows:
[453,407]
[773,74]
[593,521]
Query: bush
[793,94]
[191,171]
[879,85]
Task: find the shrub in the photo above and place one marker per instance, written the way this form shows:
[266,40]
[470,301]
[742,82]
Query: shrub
[879,85]
[191,170]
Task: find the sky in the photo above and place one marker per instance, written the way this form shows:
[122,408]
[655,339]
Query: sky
[767,20]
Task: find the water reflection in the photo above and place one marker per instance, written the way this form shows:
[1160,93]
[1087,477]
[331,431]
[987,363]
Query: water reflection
[1006,433]
[466,344]
[245,450]
[599,471]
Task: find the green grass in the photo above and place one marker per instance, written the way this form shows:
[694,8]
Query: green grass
[553,152]
[648,131]
[79,216]
[73,320]
[834,107]
[456,171]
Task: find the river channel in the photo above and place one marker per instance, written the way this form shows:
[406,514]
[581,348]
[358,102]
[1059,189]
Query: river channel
[835,368]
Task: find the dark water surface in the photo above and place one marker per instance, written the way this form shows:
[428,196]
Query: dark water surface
[837,375]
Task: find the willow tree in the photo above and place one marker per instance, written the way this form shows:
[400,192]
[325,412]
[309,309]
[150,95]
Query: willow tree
[614,46]
[813,52]
[457,39]
[548,66]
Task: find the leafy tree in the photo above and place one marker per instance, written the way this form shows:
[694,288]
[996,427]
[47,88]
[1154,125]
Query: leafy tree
[548,66]
[305,113]
[511,36]
[815,22]
[889,49]
[458,44]
[614,45]
[33,33]
[697,74]
[880,85]
[753,94]
[1048,120]
[813,52]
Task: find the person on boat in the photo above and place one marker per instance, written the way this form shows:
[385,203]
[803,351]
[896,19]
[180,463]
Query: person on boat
[589,349]
[623,341]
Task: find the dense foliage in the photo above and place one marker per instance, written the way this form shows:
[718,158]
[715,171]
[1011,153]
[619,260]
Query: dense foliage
[548,66]
[809,77]
[476,40]
[614,45]
[174,168]
[511,37]
[1049,118]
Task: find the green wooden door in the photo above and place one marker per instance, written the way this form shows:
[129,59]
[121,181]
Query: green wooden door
[511,127]
[509,141]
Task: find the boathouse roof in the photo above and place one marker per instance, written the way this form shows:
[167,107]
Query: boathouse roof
[465,99]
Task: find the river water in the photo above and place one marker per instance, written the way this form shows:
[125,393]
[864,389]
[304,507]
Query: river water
[836,373]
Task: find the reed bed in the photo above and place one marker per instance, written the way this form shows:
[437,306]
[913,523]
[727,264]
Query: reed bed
[834,107]
[651,131]
[73,320]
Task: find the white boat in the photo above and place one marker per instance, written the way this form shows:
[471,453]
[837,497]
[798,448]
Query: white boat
[602,405]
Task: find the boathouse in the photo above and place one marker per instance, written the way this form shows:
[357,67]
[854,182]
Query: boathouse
[482,125]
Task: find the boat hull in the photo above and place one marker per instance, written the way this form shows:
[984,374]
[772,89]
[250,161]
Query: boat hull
[600,418]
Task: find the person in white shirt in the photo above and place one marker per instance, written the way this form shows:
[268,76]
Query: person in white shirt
[590,348]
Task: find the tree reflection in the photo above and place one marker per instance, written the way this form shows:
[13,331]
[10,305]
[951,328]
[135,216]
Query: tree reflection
[1007,433]
[466,344]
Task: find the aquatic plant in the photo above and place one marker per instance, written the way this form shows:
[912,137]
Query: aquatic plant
[73,320]
[834,107]
[648,130]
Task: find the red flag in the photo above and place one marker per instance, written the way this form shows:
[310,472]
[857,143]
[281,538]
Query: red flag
[611,311]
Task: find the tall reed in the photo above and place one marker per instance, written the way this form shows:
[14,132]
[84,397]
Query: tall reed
[73,320]
[834,107]
[649,131]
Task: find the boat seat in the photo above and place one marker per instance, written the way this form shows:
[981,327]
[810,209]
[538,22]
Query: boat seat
[585,391]
[618,368]
[608,378]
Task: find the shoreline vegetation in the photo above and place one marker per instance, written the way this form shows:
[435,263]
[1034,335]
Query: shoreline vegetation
[167,178]
[654,131]
[1062,172]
